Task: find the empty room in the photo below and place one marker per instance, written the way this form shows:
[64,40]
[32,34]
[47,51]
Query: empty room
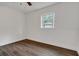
[39,28]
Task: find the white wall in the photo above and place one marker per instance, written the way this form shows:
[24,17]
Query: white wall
[11,25]
[66,31]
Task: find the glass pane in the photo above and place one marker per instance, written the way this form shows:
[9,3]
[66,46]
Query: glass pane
[47,20]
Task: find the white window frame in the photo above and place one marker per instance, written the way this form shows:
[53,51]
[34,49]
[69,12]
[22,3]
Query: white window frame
[53,23]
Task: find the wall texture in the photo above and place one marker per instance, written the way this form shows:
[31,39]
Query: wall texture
[66,31]
[11,25]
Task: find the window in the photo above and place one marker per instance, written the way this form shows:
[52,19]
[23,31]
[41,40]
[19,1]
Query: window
[47,21]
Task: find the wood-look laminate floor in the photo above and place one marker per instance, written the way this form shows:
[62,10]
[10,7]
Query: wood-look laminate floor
[28,48]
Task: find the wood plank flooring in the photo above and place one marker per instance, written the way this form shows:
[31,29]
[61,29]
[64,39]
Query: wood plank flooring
[32,48]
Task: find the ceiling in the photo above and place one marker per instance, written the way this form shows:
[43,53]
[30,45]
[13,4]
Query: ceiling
[23,6]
